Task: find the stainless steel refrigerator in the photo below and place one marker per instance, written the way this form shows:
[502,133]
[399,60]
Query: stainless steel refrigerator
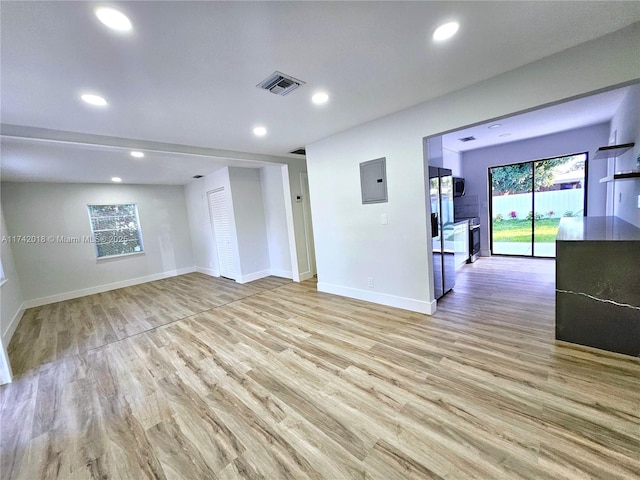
[442,232]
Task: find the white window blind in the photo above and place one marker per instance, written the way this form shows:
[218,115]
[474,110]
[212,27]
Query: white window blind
[116,229]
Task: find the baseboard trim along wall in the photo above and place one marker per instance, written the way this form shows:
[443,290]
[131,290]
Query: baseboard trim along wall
[250,277]
[208,271]
[13,324]
[381,298]
[282,273]
[253,276]
[37,302]
[305,276]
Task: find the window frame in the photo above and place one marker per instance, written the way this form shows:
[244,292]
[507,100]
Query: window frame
[93,232]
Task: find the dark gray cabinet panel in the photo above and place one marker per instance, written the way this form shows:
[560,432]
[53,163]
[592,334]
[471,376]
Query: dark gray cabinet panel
[598,284]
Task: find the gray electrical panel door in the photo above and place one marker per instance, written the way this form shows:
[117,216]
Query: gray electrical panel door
[373,181]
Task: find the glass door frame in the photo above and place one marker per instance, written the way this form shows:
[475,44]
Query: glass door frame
[533,201]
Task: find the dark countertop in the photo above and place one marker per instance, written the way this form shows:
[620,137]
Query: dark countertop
[576,229]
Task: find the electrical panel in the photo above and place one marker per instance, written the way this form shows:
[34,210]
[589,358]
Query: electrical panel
[373,181]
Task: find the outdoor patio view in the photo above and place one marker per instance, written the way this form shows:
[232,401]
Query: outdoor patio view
[529,199]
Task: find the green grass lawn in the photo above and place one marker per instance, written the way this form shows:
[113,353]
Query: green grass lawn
[520,230]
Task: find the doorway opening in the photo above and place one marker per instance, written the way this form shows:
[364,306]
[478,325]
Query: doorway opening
[528,199]
[310,270]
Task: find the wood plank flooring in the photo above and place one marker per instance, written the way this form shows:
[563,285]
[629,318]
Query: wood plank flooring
[280,381]
[67,328]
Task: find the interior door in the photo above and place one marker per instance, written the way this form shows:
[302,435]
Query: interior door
[221,224]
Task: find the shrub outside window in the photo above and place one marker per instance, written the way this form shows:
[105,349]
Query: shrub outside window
[116,229]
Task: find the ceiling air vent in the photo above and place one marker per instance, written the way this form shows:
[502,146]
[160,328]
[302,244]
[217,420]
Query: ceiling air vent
[280,84]
[467,139]
[299,151]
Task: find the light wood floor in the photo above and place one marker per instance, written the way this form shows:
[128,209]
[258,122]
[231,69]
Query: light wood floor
[63,329]
[285,382]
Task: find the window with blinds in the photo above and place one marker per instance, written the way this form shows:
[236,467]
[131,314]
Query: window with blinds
[116,229]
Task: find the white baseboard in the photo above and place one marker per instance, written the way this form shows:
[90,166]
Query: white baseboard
[208,271]
[410,304]
[13,324]
[485,253]
[282,273]
[37,302]
[305,276]
[253,276]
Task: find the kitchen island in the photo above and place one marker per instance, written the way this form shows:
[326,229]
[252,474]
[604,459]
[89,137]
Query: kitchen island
[598,283]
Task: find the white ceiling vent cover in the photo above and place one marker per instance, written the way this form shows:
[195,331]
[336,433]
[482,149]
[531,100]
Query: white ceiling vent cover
[280,84]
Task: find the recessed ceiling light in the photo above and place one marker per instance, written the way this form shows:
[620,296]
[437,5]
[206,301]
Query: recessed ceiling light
[116,179]
[445,31]
[94,99]
[319,98]
[113,19]
[137,154]
[260,131]
[504,134]
[495,125]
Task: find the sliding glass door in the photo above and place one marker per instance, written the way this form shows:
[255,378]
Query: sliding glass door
[528,200]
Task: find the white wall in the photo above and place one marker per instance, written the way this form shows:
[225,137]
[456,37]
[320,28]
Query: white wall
[453,161]
[11,297]
[11,302]
[251,230]
[352,245]
[625,127]
[475,165]
[52,272]
[205,255]
[259,227]
[276,220]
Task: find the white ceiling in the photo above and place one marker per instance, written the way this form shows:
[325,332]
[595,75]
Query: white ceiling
[29,160]
[186,75]
[583,112]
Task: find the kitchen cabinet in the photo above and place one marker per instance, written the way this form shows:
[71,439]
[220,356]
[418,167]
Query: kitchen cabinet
[461,243]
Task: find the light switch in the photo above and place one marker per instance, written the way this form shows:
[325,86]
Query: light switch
[383,219]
